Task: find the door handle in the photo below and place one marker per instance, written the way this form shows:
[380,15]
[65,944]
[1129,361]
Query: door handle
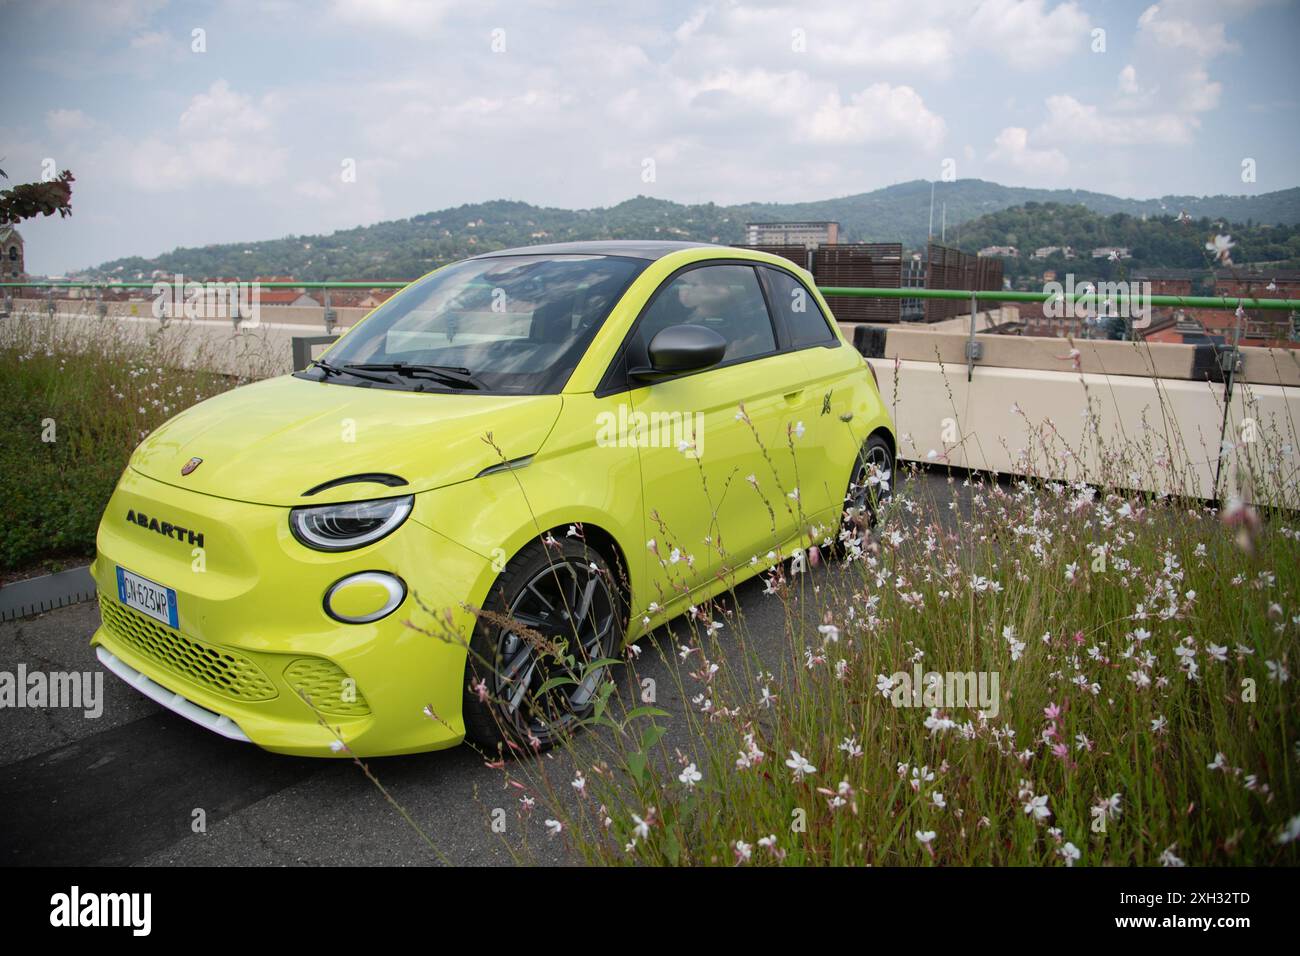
[794,396]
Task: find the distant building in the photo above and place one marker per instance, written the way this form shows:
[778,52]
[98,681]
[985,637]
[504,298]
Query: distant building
[792,233]
[1044,251]
[1170,281]
[286,297]
[1111,252]
[1004,252]
[11,255]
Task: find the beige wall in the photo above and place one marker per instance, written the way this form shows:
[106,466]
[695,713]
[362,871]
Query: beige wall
[309,316]
[1132,415]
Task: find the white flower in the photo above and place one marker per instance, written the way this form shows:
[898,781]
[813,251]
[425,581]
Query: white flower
[743,851]
[642,828]
[1037,807]
[1220,763]
[1292,831]
[799,764]
[851,747]
[798,429]
[1017,647]
[580,783]
[1220,246]
[1167,858]
[690,776]
[925,836]
[829,631]
[938,800]
[554,827]
[1159,725]
[884,684]
[1069,853]
[1277,672]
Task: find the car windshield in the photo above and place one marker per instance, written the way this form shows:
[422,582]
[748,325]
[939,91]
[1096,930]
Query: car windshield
[516,324]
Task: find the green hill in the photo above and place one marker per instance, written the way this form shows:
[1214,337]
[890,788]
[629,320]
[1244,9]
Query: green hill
[1153,242]
[405,248]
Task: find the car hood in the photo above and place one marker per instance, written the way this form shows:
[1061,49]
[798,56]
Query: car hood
[269,442]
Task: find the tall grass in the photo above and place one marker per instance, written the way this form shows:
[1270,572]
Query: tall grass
[1142,648]
[76,396]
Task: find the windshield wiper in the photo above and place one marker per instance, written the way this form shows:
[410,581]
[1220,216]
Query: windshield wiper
[447,374]
[329,369]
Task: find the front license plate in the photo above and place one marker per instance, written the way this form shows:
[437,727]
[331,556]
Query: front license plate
[147,597]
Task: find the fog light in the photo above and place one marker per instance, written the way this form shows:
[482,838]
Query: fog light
[365,597]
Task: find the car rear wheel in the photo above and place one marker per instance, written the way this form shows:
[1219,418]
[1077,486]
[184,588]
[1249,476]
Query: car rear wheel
[869,487]
[532,688]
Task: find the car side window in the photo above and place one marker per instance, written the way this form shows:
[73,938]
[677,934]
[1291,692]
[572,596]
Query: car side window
[727,299]
[798,307]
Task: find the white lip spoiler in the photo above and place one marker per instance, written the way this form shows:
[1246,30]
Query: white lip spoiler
[217,723]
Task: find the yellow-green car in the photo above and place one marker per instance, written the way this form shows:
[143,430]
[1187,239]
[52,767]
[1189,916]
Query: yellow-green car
[551,447]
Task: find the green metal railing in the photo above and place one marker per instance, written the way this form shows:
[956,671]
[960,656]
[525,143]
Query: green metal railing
[982,295]
[998,295]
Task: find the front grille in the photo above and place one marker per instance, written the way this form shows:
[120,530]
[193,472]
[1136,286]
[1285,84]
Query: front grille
[219,669]
[327,686]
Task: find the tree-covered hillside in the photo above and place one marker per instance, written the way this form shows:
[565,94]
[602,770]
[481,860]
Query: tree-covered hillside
[1153,242]
[405,248]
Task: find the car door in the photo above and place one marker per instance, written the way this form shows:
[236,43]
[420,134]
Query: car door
[718,476]
[827,363]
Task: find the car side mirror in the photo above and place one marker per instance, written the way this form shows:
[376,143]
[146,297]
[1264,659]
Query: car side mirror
[682,348]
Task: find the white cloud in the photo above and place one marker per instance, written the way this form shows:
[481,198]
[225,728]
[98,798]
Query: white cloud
[1012,149]
[880,113]
[1026,32]
[924,48]
[67,121]
[1128,82]
[149,42]
[1070,121]
[223,111]
[221,137]
[1203,39]
[1200,93]
[403,15]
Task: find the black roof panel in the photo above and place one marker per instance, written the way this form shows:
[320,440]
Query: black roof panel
[631,248]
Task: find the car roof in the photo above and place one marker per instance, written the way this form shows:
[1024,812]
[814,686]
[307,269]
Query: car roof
[649,250]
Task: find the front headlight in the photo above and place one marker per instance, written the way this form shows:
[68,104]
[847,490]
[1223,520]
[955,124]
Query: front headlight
[351,525]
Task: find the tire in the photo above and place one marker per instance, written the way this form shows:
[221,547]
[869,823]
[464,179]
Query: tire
[539,588]
[864,498]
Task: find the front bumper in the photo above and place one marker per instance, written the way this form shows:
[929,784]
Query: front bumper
[253,636]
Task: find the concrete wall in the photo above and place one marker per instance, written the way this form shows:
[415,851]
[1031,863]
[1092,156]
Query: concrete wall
[1119,413]
[308,316]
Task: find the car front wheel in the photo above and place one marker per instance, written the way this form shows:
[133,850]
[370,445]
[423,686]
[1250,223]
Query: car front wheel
[552,613]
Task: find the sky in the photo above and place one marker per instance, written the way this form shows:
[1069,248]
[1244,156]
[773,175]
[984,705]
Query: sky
[189,123]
